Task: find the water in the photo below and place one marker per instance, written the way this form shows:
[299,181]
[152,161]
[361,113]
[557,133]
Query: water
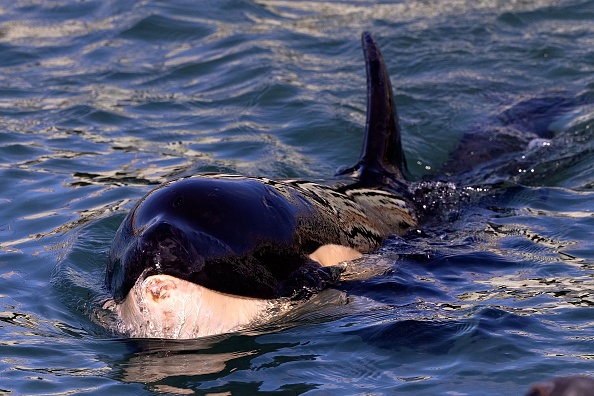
[102,100]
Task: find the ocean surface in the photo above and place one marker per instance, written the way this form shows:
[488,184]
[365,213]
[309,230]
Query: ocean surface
[100,101]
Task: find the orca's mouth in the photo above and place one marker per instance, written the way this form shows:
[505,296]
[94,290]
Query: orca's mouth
[161,249]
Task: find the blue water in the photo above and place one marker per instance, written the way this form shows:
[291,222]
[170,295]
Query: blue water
[102,100]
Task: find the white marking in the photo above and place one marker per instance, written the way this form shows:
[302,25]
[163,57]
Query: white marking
[162,306]
[328,255]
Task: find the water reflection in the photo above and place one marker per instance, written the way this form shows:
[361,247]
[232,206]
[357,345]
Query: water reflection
[157,360]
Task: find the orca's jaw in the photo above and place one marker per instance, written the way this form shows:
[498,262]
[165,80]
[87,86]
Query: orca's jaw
[163,306]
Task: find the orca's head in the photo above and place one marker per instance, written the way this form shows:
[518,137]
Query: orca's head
[235,236]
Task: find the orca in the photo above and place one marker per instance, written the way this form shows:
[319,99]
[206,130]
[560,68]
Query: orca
[211,253]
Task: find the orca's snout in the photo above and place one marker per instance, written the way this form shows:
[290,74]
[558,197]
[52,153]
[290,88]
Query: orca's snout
[165,248]
[160,248]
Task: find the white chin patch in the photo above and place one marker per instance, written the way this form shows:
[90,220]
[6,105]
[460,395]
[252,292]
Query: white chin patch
[162,306]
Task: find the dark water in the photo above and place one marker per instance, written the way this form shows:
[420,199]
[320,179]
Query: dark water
[101,100]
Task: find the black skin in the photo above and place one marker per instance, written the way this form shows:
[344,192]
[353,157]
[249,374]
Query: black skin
[247,236]
[239,237]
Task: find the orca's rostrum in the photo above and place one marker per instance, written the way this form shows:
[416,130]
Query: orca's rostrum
[205,254]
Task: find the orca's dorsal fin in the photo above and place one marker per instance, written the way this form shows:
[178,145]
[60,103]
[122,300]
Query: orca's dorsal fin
[382,154]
